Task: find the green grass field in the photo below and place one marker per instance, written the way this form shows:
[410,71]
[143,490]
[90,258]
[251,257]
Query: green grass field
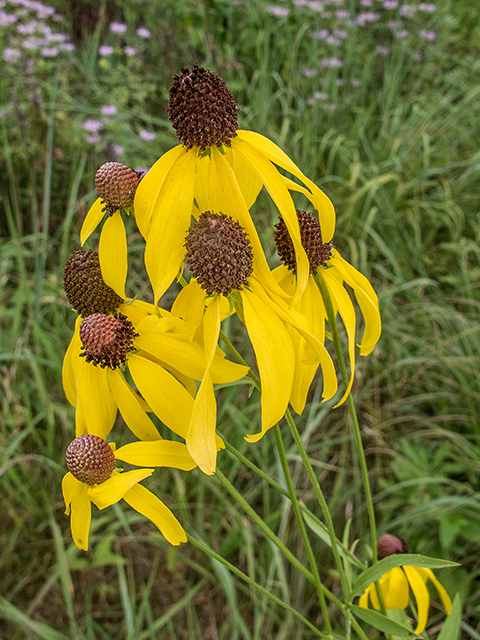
[395,144]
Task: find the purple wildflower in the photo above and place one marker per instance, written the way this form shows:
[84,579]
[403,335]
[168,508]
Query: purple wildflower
[94,138]
[147,135]
[130,51]
[320,35]
[92,125]
[279,12]
[11,55]
[118,149]
[428,35]
[47,52]
[109,110]
[105,50]
[383,51]
[118,27]
[143,33]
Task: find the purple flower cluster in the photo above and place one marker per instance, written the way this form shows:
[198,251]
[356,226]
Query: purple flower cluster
[338,24]
[29,33]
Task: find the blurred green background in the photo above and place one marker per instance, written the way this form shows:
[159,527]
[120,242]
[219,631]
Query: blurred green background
[379,103]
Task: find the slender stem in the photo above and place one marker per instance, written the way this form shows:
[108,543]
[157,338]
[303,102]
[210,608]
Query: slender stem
[264,527]
[253,584]
[240,360]
[323,504]
[301,525]
[303,507]
[356,427]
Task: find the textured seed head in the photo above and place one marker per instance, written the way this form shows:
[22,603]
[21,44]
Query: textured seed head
[116,185]
[318,252]
[85,288]
[219,253]
[90,459]
[388,545]
[202,109]
[107,340]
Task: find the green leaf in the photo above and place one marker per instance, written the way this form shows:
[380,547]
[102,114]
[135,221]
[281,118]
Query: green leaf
[451,626]
[374,572]
[381,622]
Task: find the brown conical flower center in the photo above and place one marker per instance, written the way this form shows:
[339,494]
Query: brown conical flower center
[107,340]
[84,285]
[387,545]
[90,459]
[116,185]
[202,109]
[219,253]
[317,251]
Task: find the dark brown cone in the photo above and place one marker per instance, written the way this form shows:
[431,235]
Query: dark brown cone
[388,545]
[201,109]
[318,252]
[90,459]
[219,253]
[116,185]
[107,340]
[85,288]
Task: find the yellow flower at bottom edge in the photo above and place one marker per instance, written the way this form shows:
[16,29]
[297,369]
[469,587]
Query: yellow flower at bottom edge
[92,478]
[395,587]
[395,584]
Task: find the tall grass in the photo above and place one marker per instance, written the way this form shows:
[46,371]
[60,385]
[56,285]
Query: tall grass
[400,161]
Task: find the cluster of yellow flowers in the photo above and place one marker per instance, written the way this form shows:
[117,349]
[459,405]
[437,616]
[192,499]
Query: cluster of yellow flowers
[133,356]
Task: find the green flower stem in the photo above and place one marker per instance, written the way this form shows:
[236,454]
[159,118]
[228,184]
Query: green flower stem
[323,504]
[254,584]
[356,427]
[240,360]
[265,528]
[345,550]
[301,525]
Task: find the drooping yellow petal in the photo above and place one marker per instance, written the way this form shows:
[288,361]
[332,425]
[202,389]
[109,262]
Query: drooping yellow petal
[99,406]
[77,505]
[366,298]
[81,428]
[92,220]
[342,305]
[296,320]
[171,215]
[275,186]
[248,180]
[421,594]
[396,595]
[69,371]
[112,253]
[143,501]
[130,406]
[363,601]
[159,453]
[113,490]
[226,197]
[428,574]
[201,440]
[184,356]
[149,188]
[310,306]
[169,400]
[202,195]
[190,305]
[275,359]
[324,205]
